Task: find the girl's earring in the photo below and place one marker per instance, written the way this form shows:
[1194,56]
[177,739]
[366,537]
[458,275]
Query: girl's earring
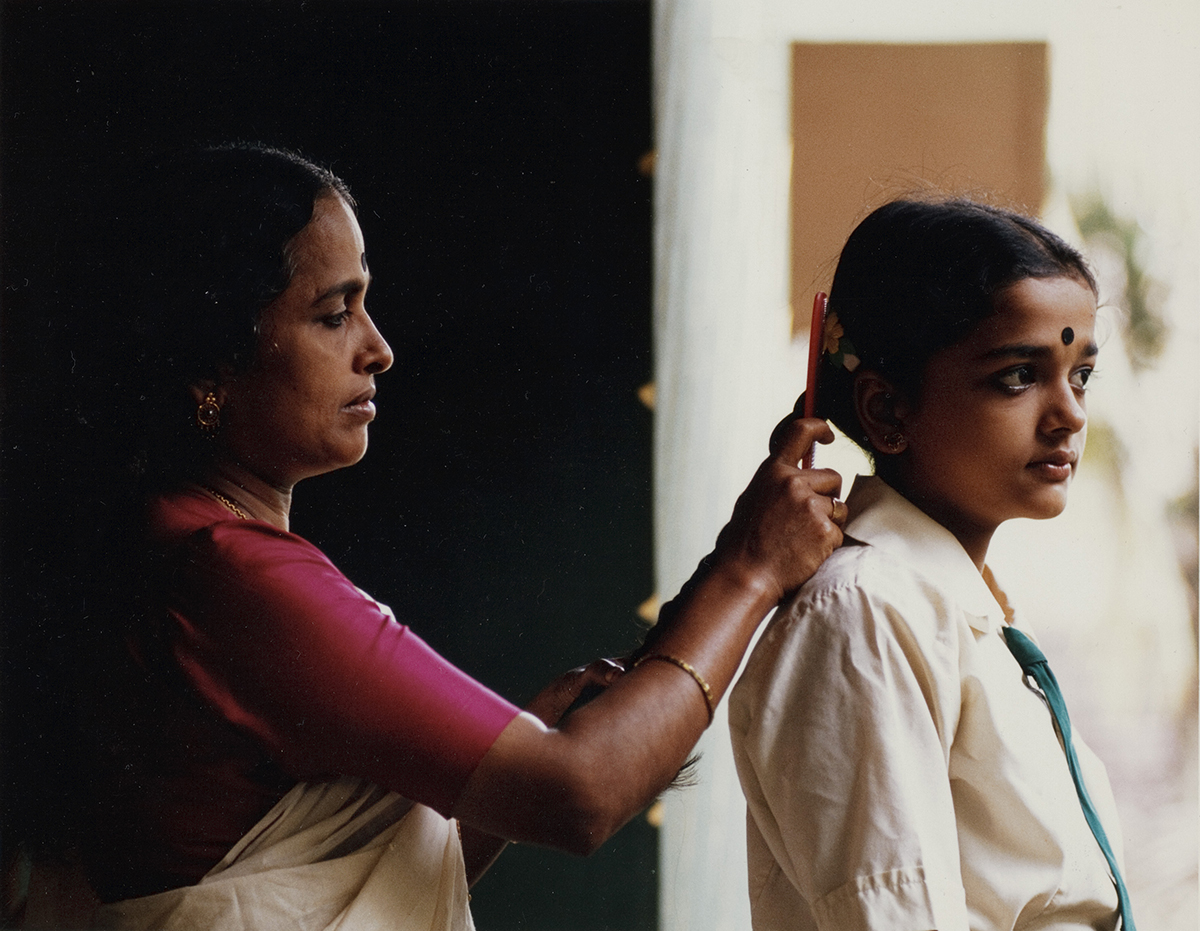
[208,415]
[895,442]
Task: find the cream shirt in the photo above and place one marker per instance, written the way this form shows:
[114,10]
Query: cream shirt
[899,772]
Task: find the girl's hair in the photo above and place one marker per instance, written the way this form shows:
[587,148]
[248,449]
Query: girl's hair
[203,246]
[916,277]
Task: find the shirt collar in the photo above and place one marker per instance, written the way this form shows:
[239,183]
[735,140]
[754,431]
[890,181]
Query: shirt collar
[880,516]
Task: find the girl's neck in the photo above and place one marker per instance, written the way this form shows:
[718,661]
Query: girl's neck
[974,539]
[258,498]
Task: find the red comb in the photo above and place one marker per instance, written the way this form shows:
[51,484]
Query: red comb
[816,343]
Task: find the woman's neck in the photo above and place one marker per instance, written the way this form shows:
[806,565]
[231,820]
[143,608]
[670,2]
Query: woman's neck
[258,498]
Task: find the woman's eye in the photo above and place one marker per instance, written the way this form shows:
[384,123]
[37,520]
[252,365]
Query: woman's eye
[1080,379]
[1016,378]
[333,321]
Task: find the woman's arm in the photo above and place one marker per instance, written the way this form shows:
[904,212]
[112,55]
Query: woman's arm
[572,786]
[481,849]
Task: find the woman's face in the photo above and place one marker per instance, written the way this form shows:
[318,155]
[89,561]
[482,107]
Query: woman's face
[1001,423]
[302,408]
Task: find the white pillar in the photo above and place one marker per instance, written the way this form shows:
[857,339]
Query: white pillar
[724,368]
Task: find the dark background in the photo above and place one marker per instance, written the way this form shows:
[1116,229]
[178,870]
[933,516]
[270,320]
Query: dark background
[504,507]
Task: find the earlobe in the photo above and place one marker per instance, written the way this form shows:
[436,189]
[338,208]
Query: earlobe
[880,410]
[218,387]
[202,388]
[210,397]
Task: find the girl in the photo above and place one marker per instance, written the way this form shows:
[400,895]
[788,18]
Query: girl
[901,770]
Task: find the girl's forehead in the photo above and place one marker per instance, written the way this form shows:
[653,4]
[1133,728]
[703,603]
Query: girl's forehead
[1047,310]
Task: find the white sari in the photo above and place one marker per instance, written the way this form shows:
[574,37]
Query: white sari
[338,856]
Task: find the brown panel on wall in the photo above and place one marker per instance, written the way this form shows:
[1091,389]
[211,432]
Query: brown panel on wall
[871,122]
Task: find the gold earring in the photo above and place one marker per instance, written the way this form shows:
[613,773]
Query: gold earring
[208,415]
[895,442]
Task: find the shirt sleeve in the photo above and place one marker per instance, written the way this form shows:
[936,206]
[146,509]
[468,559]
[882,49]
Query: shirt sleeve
[842,725]
[284,646]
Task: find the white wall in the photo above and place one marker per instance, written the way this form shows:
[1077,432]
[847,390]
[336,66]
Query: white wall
[1101,584]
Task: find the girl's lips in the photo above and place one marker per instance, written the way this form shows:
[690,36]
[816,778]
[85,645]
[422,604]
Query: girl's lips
[1056,467]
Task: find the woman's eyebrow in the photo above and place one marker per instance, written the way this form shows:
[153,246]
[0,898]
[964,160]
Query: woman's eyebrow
[344,289]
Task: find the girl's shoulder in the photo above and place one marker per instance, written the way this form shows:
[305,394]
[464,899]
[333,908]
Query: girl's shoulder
[862,571]
[866,623]
[869,592]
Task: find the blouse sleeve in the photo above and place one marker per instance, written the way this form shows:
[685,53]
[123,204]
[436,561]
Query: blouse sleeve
[841,736]
[284,646]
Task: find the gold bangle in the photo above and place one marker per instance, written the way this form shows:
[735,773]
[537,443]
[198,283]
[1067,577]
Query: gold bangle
[686,667]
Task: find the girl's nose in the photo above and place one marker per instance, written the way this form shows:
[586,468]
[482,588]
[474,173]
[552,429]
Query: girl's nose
[376,355]
[1066,411]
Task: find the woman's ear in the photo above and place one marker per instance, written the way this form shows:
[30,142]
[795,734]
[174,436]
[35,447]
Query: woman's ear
[881,410]
[203,387]
[200,390]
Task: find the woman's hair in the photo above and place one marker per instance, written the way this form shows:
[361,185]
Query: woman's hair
[916,277]
[199,246]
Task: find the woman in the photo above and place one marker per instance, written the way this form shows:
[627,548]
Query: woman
[275,749]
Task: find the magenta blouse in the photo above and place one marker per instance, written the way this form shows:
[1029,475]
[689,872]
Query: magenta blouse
[259,665]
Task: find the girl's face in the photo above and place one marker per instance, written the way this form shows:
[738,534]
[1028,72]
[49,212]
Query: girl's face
[1001,423]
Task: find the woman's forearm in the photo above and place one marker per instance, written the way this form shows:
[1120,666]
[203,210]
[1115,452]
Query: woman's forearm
[573,785]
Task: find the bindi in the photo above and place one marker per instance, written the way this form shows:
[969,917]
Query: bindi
[1068,336]
[362,259]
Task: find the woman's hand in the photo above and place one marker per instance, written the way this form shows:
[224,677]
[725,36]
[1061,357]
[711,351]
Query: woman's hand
[481,849]
[552,702]
[788,520]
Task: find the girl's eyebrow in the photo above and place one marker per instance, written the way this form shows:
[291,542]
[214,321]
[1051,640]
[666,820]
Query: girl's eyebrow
[1030,351]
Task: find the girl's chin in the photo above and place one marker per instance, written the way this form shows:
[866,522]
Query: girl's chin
[1048,505]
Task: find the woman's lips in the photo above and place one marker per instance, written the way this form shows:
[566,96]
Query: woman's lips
[362,405]
[1056,467]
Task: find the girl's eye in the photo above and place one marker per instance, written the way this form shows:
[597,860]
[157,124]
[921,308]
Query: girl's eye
[1080,379]
[1016,378]
[336,320]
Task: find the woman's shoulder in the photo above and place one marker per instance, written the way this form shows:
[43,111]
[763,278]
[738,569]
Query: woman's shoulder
[207,548]
[172,516]
[191,520]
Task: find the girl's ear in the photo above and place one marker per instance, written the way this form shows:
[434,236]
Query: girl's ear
[881,410]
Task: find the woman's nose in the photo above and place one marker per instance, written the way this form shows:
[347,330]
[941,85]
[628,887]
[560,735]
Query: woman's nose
[376,355]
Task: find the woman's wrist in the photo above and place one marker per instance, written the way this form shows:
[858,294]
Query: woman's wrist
[714,589]
[758,584]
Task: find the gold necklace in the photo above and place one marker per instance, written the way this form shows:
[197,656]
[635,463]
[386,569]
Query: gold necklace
[225,501]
